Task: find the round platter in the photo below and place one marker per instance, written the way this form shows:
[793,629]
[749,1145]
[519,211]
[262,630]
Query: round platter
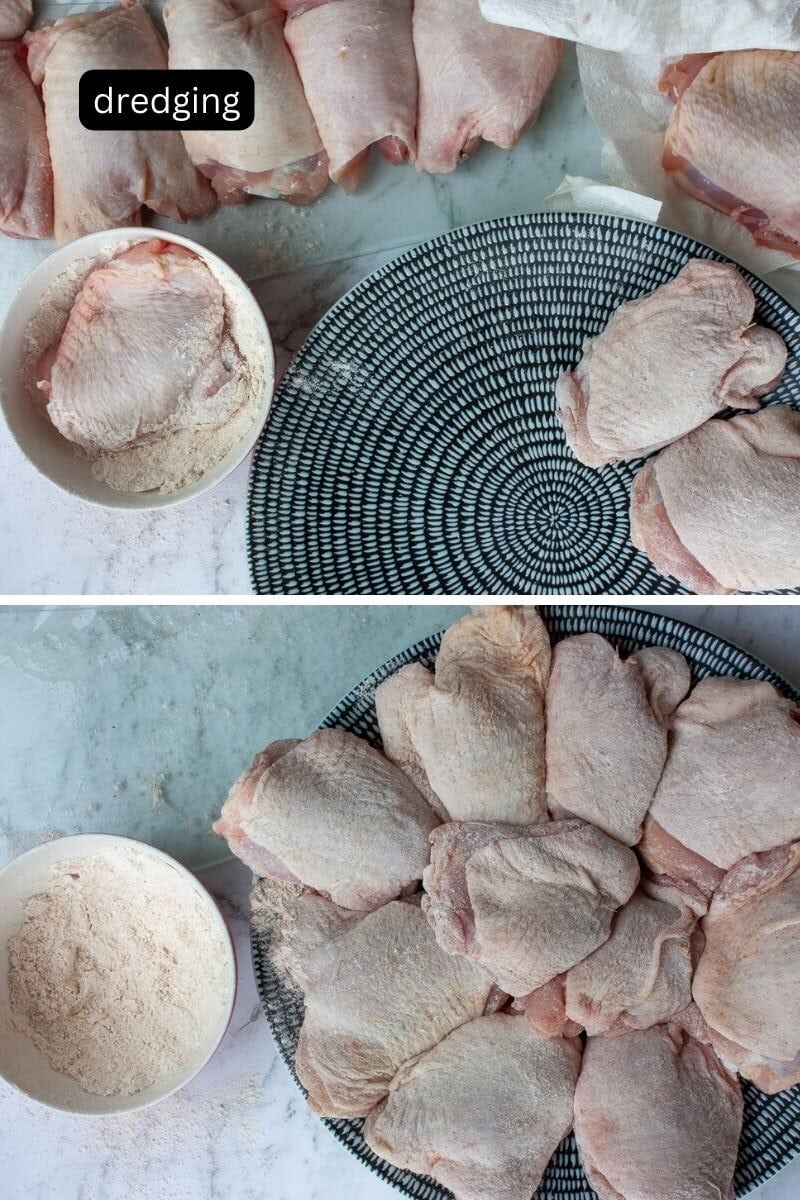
[771,1133]
[413,446]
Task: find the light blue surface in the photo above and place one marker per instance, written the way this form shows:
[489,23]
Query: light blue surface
[137,720]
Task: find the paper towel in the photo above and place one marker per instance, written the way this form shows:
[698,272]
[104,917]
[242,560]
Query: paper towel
[577,194]
[668,27]
[622,96]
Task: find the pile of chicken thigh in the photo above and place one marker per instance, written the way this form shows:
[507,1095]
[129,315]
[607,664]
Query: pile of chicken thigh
[607,931]
[420,80]
[424,82]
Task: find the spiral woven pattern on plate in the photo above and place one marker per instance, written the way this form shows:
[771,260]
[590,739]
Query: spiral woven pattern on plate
[771,1131]
[413,446]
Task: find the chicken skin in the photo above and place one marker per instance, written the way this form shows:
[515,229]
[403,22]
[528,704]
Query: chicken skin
[718,509]
[333,814]
[471,736]
[667,362]
[734,139]
[103,177]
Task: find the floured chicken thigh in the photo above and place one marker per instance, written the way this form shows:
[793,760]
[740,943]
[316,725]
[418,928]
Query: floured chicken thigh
[281,154]
[666,363]
[729,786]
[356,61]
[734,138]
[642,975]
[377,992]
[476,81]
[527,903]
[333,814]
[719,509]
[482,1112]
[657,1117]
[607,726]
[26,177]
[665,855]
[747,983]
[472,736]
[15,17]
[103,177]
[545,1010]
[146,350]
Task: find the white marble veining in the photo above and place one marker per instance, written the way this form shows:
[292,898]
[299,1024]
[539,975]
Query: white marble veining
[136,720]
[54,544]
[240,1131]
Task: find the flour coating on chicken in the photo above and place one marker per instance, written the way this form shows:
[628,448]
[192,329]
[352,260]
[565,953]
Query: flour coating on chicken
[146,350]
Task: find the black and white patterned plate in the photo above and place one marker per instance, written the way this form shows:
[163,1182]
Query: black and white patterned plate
[413,446]
[771,1133]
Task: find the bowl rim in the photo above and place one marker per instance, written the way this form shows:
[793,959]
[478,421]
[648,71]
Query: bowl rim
[211,904]
[208,481]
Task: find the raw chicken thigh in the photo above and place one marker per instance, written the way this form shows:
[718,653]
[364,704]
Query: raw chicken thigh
[526,903]
[666,363]
[729,786]
[15,17]
[377,991]
[657,1117]
[482,1112]
[734,138]
[103,177]
[607,726]
[545,1010]
[146,350]
[719,509]
[472,737]
[642,975]
[476,81]
[747,984]
[665,855]
[333,814]
[26,177]
[356,61]
[281,153]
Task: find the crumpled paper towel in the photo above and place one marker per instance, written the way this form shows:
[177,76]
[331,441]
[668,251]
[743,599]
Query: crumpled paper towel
[668,27]
[578,194]
[622,96]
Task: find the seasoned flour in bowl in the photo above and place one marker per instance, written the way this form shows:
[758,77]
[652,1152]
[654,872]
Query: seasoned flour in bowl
[117,974]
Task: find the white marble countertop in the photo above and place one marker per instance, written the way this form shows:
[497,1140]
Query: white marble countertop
[241,1131]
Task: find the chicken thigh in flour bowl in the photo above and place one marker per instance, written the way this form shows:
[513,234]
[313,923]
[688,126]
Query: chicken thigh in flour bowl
[136,369]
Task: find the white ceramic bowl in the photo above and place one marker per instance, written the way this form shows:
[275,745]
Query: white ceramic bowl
[21,1064]
[51,454]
